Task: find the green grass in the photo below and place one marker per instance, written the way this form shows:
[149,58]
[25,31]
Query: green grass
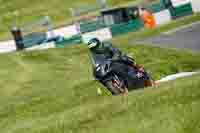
[53,91]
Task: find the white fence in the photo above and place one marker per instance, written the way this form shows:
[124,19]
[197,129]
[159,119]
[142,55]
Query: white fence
[7,46]
[195,5]
[42,46]
[67,31]
[162,17]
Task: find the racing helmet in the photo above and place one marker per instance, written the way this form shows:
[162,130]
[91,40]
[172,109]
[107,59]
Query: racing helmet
[93,43]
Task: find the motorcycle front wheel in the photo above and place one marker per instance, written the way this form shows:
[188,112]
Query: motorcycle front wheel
[116,85]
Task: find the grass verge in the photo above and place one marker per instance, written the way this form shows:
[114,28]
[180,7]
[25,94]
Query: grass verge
[53,91]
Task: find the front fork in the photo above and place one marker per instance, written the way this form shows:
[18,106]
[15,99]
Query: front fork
[121,86]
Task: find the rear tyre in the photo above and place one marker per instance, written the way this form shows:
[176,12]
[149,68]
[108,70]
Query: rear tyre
[149,80]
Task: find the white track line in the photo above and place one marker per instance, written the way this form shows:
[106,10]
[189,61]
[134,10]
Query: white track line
[180,28]
[176,76]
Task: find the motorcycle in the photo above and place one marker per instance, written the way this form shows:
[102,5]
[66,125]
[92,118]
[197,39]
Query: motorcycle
[122,75]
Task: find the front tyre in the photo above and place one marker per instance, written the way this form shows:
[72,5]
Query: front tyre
[116,85]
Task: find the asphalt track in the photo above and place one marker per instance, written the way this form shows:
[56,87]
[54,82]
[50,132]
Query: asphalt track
[187,37]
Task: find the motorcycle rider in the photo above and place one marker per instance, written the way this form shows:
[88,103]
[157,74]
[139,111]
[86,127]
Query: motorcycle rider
[106,51]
